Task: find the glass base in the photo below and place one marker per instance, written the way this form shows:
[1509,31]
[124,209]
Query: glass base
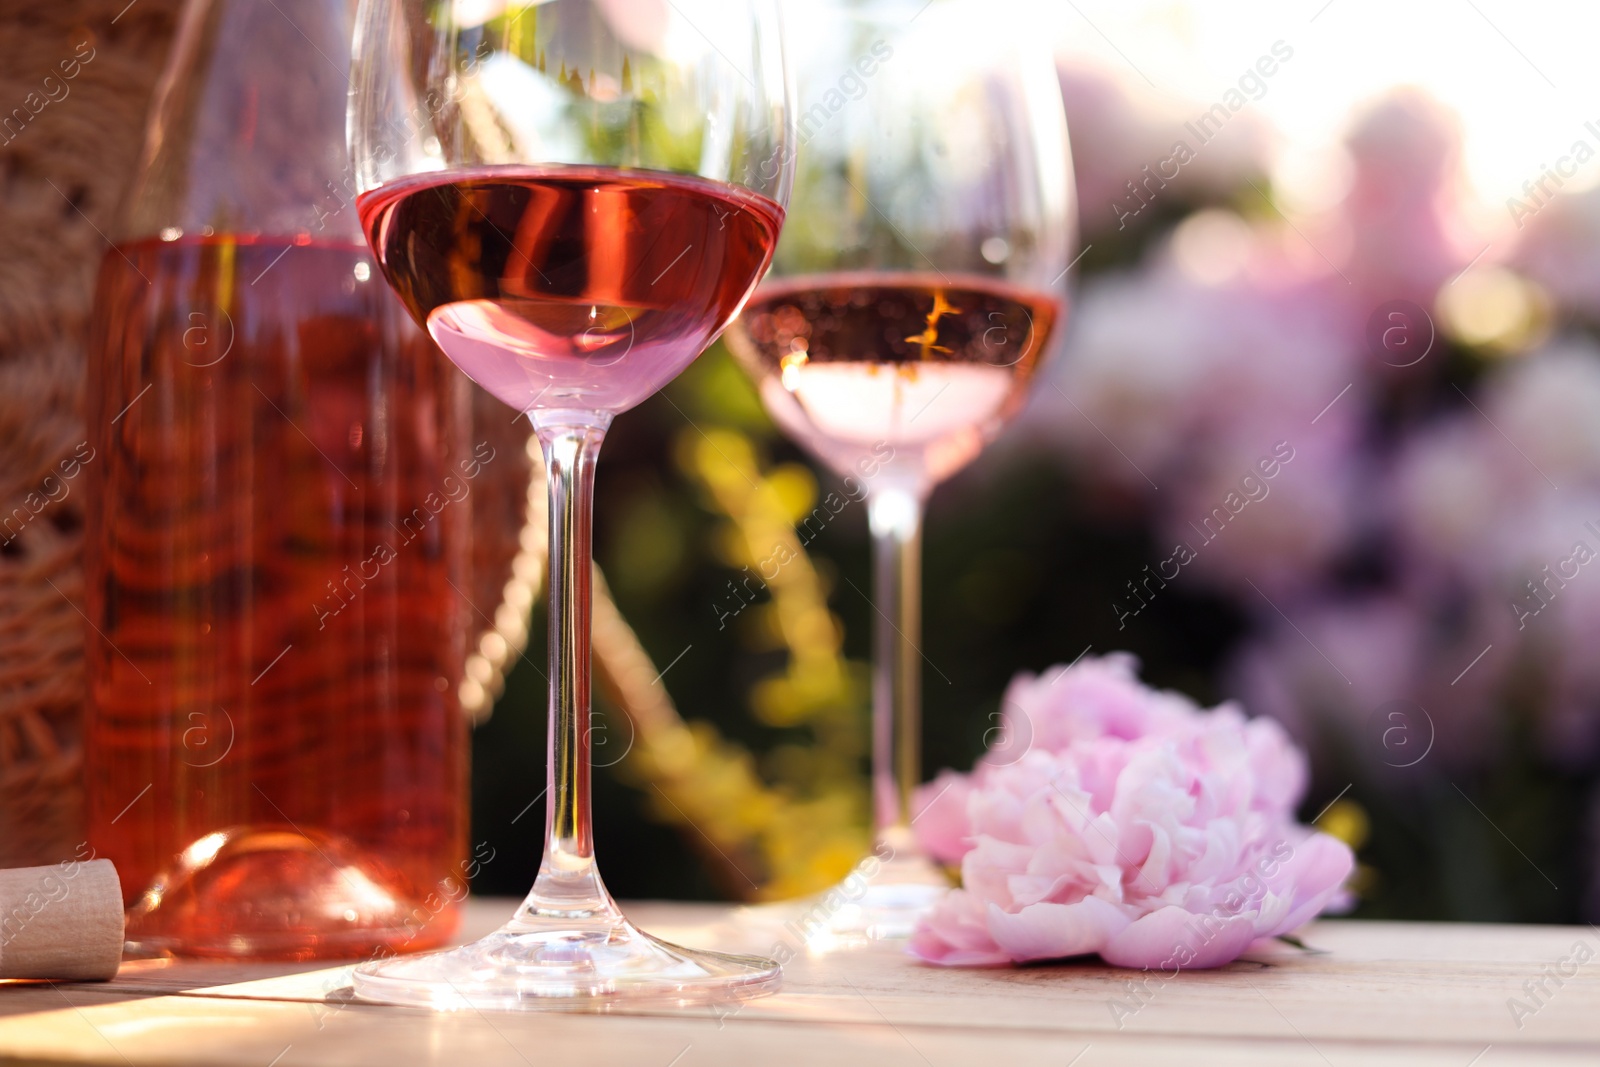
[904,887]
[879,901]
[885,913]
[587,963]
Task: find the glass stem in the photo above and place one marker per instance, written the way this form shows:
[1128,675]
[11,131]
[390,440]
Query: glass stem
[569,886]
[895,517]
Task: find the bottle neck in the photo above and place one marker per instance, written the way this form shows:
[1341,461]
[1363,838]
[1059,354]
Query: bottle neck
[246,134]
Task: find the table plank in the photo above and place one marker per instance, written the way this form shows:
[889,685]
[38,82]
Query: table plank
[99,1028]
[1379,993]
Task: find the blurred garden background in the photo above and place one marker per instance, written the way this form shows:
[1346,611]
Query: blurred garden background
[1358,240]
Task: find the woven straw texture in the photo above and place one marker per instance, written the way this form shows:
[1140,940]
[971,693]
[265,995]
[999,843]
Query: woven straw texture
[67,146]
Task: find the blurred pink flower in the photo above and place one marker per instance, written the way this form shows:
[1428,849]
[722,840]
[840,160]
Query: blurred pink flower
[1234,338]
[1490,603]
[1163,362]
[1489,507]
[1118,820]
[1560,249]
[1347,661]
[1173,382]
[1119,127]
[1403,211]
[1278,532]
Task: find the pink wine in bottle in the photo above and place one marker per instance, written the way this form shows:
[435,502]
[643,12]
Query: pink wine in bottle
[568,287]
[276,750]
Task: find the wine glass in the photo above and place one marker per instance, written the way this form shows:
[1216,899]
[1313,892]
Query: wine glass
[912,300]
[574,197]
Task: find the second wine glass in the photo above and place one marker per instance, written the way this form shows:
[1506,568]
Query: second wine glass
[915,293]
[574,197]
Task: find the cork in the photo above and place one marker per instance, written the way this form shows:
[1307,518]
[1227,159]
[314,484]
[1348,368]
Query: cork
[62,922]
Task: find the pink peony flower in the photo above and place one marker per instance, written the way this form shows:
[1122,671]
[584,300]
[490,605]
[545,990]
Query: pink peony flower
[1114,819]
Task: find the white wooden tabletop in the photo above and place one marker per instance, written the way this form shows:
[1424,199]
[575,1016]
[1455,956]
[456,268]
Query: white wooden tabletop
[1374,994]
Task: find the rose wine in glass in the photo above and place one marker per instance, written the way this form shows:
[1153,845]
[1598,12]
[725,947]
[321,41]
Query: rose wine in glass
[914,296]
[574,198]
[613,284]
[929,365]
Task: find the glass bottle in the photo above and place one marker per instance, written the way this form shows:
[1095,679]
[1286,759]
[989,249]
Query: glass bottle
[278,528]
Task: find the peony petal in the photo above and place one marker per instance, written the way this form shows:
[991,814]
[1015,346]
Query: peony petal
[1279,768]
[1173,937]
[1157,867]
[1223,846]
[953,934]
[1056,931]
[941,822]
[1316,873]
[1273,911]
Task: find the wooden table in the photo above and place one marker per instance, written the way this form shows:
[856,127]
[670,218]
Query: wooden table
[1376,994]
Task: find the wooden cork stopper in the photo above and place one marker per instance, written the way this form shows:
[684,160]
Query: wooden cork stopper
[62,922]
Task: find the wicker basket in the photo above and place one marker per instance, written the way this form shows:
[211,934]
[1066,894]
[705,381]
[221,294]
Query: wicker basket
[64,159]
[61,174]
